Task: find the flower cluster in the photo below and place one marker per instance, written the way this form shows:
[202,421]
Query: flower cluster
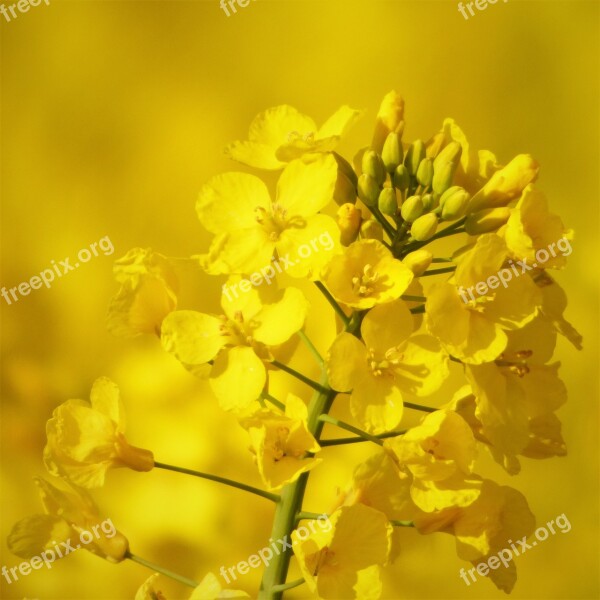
[403,328]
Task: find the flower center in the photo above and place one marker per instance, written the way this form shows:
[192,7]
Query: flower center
[519,366]
[364,284]
[296,136]
[279,447]
[320,559]
[276,221]
[385,366]
[238,329]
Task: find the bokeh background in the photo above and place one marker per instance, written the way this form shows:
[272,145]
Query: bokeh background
[114,114]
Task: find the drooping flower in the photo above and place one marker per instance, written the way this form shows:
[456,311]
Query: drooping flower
[68,511]
[249,226]
[390,363]
[209,589]
[331,561]
[484,527]
[236,344]
[147,294]
[281,134]
[282,443]
[366,274]
[86,439]
[470,320]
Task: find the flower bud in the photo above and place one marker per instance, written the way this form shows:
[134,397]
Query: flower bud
[392,153]
[401,178]
[424,227]
[418,261]
[390,118]
[371,230]
[486,220]
[348,219]
[412,208]
[430,202]
[368,190]
[454,203]
[450,153]
[373,165]
[414,156]
[425,172]
[442,177]
[387,202]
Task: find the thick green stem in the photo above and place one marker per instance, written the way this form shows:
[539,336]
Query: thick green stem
[342,425]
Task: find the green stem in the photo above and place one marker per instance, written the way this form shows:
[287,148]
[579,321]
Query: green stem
[273,401]
[313,384]
[355,440]
[223,480]
[282,587]
[428,409]
[348,427]
[417,310]
[413,298]
[309,515]
[311,347]
[146,563]
[402,523]
[338,309]
[391,232]
[438,271]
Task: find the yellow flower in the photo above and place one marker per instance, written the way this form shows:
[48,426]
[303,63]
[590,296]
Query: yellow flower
[147,293]
[471,325]
[281,443]
[439,454]
[238,342]
[209,589]
[366,274]
[331,561]
[281,134]
[516,392]
[485,527]
[86,439]
[535,234]
[69,511]
[391,362]
[249,227]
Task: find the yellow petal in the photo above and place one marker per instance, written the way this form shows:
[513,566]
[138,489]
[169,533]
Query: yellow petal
[193,337]
[255,154]
[227,202]
[347,356]
[339,123]
[237,378]
[32,535]
[387,325]
[277,322]
[105,398]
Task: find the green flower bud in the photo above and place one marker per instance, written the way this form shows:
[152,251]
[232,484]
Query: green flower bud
[412,208]
[418,261]
[454,203]
[392,153]
[430,202]
[414,156]
[425,172]
[424,227]
[373,165]
[486,220]
[371,230]
[387,202]
[401,178]
[368,189]
[442,177]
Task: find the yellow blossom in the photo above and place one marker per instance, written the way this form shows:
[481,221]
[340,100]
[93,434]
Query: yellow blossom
[366,274]
[86,439]
[68,511]
[237,343]
[281,134]
[147,293]
[331,561]
[485,527]
[391,362]
[472,326]
[390,119]
[209,589]
[249,226]
[281,443]
[532,227]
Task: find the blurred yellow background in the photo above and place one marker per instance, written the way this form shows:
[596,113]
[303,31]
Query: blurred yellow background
[115,113]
